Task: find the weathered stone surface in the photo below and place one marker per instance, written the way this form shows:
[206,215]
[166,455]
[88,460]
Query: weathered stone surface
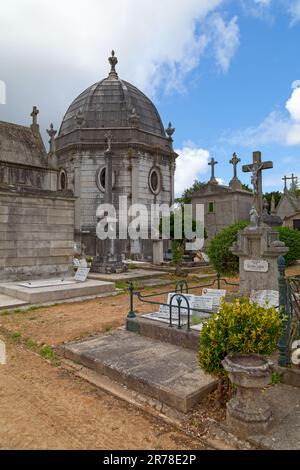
[54,293]
[32,242]
[165,372]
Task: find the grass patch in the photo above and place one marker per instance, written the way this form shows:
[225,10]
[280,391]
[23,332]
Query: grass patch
[122,285]
[107,328]
[15,336]
[196,320]
[48,353]
[4,312]
[31,344]
[276,378]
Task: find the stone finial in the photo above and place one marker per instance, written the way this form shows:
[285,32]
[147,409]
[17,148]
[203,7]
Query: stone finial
[34,116]
[52,133]
[212,163]
[134,118]
[170,131]
[113,62]
[108,139]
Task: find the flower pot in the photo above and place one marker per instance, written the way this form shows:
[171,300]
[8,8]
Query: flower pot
[248,411]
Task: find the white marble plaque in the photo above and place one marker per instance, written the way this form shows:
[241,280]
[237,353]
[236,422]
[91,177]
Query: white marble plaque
[256,265]
[265,298]
[202,302]
[2,353]
[82,274]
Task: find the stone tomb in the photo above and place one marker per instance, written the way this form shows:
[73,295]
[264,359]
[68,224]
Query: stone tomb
[201,307]
[53,290]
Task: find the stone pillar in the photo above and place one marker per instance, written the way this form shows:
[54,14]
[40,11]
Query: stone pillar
[158,251]
[258,251]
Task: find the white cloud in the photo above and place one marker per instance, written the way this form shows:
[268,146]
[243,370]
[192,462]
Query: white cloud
[293,105]
[276,128]
[225,38]
[294,10]
[52,50]
[191,163]
[264,3]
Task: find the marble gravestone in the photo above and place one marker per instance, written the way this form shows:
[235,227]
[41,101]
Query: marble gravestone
[258,246]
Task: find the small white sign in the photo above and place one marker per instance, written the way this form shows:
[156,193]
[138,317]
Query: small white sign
[82,274]
[256,265]
[2,353]
[265,298]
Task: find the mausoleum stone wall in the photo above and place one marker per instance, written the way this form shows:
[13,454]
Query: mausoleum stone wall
[36,235]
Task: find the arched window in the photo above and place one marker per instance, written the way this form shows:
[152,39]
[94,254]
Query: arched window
[63,182]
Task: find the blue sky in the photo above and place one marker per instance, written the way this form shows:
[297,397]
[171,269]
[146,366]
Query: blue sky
[220,70]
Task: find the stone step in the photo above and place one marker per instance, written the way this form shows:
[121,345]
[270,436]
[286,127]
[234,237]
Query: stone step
[164,372]
[53,293]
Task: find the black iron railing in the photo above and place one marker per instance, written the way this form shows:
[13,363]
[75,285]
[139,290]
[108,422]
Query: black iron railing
[181,288]
[289,300]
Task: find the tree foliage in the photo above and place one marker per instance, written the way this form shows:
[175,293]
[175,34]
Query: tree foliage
[187,193]
[291,238]
[219,252]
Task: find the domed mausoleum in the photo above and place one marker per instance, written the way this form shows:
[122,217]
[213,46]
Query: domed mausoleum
[140,153]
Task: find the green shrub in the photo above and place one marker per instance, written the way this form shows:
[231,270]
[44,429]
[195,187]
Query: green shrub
[219,252]
[291,238]
[241,327]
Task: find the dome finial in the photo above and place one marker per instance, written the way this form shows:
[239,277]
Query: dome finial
[113,62]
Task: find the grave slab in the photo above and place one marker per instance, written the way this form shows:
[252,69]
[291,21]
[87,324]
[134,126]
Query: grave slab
[165,372]
[47,292]
[10,302]
[130,275]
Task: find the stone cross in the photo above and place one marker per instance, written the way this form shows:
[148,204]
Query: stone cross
[52,133]
[294,181]
[212,163]
[256,179]
[285,179]
[234,161]
[34,115]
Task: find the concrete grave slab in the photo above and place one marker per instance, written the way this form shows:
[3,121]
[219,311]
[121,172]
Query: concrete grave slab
[52,293]
[165,372]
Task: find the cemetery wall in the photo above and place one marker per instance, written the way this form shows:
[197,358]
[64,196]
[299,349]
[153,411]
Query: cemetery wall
[36,235]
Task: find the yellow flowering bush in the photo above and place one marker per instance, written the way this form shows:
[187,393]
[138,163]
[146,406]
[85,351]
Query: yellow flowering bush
[241,327]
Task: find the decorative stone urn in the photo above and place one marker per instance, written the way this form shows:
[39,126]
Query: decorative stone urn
[248,411]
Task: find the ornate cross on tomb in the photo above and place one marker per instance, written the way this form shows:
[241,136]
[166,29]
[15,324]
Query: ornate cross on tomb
[212,163]
[256,179]
[234,161]
[294,181]
[285,179]
[52,133]
[34,115]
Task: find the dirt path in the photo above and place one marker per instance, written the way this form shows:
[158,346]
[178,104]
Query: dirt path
[45,407]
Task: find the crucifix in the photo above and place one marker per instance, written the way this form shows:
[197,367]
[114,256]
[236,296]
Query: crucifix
[212,163]
[285,179]
[256,179]
[294,181]
[34,115]
[234,161]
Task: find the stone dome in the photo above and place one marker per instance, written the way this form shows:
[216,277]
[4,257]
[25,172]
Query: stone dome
[112,103]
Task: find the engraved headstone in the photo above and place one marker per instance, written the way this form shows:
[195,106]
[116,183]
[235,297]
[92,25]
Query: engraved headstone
[82,274]
[256,265]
